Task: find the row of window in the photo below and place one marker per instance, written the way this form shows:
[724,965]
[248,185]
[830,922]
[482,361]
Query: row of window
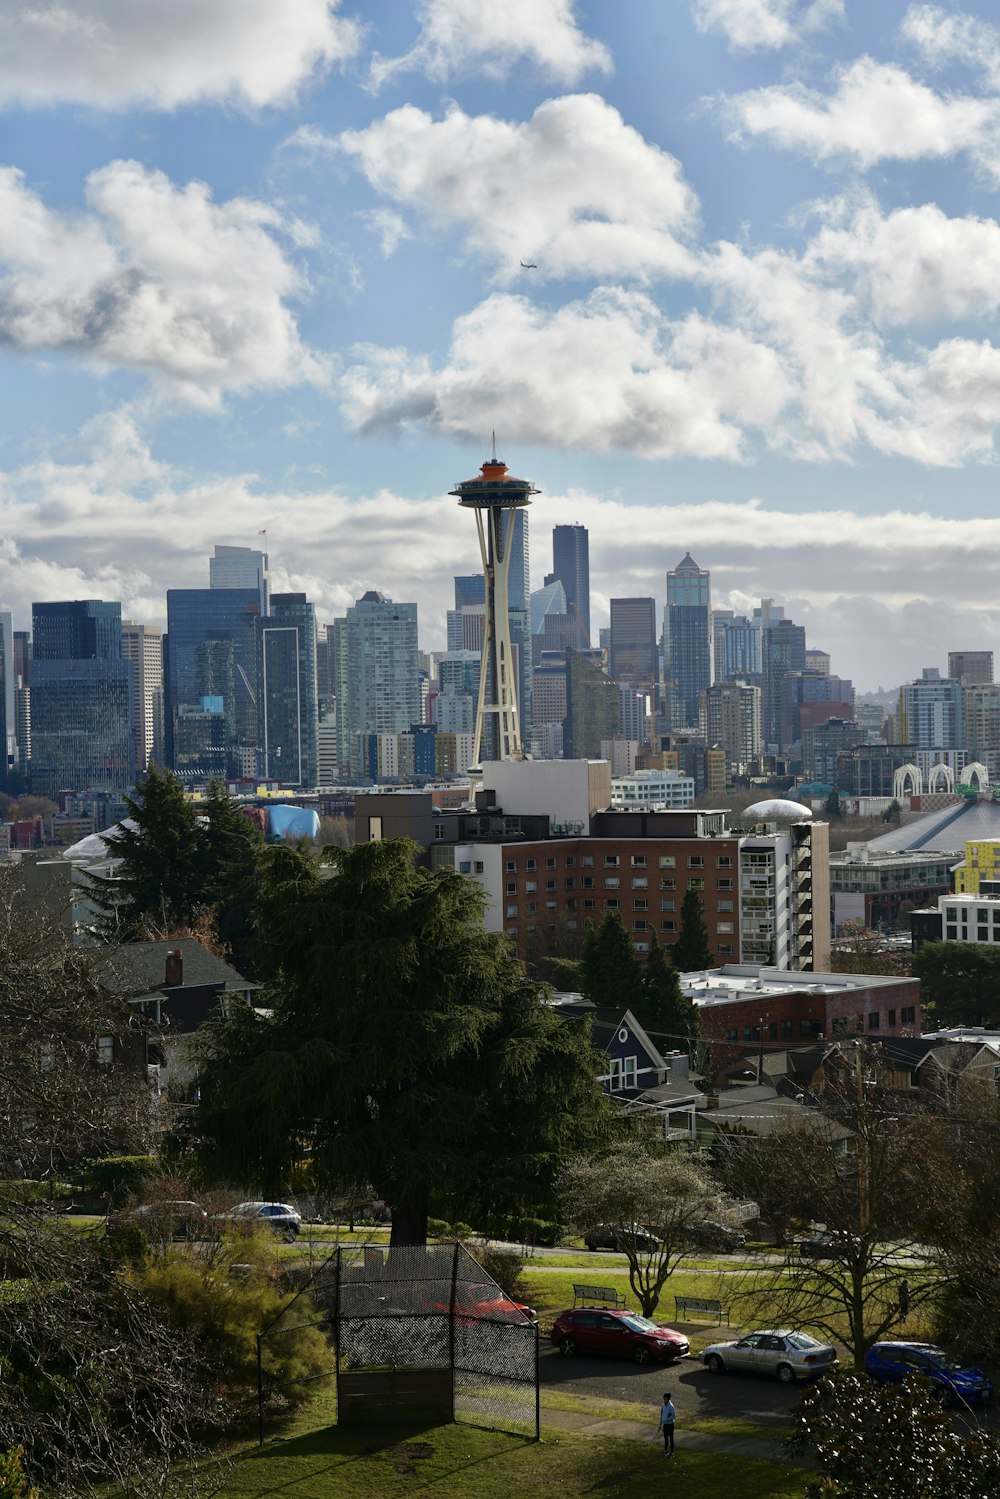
[617,861]
[724,949]
[611,882]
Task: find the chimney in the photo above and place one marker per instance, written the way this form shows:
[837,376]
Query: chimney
[175,969]
[712,1101]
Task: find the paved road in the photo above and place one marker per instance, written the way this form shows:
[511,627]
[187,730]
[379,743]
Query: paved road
[695,1391]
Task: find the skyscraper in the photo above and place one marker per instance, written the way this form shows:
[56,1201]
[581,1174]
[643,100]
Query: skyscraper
[593,707]
[377,667]
[496,497]
[783,651]
[730,717]
[81,699]
[971,668]
[210,667]
[687,642]
[571,566]
[287,714]
[8,697]
[142,646]
[242,567]
[633,655]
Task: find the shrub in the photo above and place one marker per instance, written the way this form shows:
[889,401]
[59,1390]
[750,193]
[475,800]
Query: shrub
[35,1191]
[122,1176]
[505,1266]
[13,1483]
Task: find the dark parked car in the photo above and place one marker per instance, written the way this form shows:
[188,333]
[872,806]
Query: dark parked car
[163,1220]
[620,1334]
[613,1235]
[281,1216]
[718,1236]
[821,1246]
[953,1383]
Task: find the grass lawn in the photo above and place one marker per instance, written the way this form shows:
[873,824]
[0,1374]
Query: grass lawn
[462,1462]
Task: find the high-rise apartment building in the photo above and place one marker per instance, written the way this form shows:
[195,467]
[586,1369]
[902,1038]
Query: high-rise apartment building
[593,707]
[210,669]
[8,698]
[633,655]
[81,736]
[687,643]
[729,715]
[931,712]
[287,713]
[142,646]
[379,692]
[571,567]
[783,652]
[242,567]
[981,710]
[971,668]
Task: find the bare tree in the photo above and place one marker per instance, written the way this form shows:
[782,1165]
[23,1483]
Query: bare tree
[649,1201]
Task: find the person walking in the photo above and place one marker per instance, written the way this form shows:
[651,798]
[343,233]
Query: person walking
[668,1420]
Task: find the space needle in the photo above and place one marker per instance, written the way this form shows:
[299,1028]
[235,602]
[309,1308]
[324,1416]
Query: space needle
[496,496]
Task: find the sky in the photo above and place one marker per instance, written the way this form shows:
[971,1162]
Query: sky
[260,270]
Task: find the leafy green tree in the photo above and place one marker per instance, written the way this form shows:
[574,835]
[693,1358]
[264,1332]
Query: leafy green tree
[161,880]
[610,972]
[13,1483]
[405,1048]
[692,951]
[664,1012]
[890,1442]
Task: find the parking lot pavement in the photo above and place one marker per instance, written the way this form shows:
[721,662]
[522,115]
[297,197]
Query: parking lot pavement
[696,1392]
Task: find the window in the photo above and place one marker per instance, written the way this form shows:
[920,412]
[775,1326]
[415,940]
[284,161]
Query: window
[667,861]
[810,1028]
[511,913]
[952,934]
[586,861]
[668,905]
[105,1050]
[570,883]
[511,887]
[640,882]
[512,866]
[725,905]
[890,1018]
[615,1078]
[696,884]
[639,904]
[982,934]
[732,1037]
[668,883]
[668,926]
[874,1017]
[531,864]
[439,832]
[550,884]
[695,861]
[512,932]
[551,905]
[724,928]
[723,884]
[550,864]
[570,862]
[751,1033]
[725,949]
[531,886]
[907,1015]
[589,904]
[787,1030]
[629,1069]
[586,881]
[571,906]
[465,866]
[531,908]
[612,882]
[611,861]
[724,861]
[571,926]
[639,926]
[772,1031]
[478,867]
[638,861]
[612,903]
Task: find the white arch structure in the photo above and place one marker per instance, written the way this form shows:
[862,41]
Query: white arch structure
[908,781]
[941,777]
[977,775]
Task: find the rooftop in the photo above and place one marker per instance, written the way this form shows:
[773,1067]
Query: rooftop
[945,831]
[745,981]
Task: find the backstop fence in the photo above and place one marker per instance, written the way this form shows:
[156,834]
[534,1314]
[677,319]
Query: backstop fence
[416,1333]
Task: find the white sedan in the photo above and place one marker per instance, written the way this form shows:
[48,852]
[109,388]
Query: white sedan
[787,1355]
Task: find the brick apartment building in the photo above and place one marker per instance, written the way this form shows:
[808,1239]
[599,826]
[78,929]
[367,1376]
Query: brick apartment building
[551,858]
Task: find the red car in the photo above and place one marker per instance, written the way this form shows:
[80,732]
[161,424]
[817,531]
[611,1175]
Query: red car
[621,1334]
[484,1301]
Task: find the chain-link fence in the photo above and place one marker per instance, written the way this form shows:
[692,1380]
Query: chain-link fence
[416,1333]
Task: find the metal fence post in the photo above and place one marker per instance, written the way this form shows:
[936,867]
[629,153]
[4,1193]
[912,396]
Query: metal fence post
[260,1394]
[538,1387]
[336,1329]
[451,1324]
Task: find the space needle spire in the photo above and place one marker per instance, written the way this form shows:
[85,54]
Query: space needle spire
[496,496]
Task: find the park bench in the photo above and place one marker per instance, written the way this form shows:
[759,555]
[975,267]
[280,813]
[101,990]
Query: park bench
[604,1295]
[701,1305]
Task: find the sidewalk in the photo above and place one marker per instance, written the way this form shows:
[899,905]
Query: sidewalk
[691,1441]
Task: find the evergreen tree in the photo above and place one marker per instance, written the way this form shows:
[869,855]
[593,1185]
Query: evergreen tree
[692,950]
[160,882]
[404,1049]
[233,846]
[610,971]
[665,1013]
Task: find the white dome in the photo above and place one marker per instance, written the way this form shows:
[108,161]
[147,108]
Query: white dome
[779,809]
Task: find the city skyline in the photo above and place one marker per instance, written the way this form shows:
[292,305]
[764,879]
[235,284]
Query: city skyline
[756,318]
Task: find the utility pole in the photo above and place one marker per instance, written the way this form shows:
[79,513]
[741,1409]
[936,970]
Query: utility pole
[760,1054]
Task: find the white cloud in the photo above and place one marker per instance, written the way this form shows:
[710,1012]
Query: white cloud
[390,227]
[875,112]
[913,265]
[468,36]
[574,188]
[606,373]
[111,54]
[944,36]
[156,278]
[765,25]
[870,577]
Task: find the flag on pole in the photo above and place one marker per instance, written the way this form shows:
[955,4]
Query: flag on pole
[262,533]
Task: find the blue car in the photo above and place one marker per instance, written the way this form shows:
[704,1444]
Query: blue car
[952,1383]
